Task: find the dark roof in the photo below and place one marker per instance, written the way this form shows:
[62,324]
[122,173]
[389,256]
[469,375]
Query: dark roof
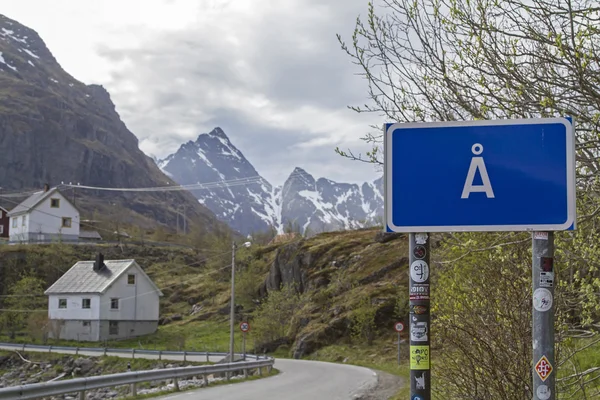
[32,201]
[89,235]
[82,278]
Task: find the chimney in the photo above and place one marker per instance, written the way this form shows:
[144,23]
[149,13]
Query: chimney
[99,263]
[46,187]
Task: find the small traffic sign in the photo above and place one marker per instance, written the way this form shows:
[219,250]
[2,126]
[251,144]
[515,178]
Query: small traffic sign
[498,175]
[399,327]
[245,327]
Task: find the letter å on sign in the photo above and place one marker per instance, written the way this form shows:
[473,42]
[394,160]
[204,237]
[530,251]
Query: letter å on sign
[498,175]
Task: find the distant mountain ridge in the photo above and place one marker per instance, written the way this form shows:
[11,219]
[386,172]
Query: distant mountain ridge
[249,203]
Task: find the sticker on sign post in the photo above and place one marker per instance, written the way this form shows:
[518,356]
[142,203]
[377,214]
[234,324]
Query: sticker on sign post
[543,392]
[419,357]
[543,368]
[540,235]
[418,331]
[542,300]
[419,291]
[419,271]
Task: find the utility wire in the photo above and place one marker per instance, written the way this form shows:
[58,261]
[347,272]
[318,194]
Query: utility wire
[85,224]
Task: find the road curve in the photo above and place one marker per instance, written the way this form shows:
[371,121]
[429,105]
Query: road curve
[298,379]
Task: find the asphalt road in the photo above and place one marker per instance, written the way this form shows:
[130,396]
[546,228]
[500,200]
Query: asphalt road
[298,379]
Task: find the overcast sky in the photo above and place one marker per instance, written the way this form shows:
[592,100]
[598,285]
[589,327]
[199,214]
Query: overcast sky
[270,73]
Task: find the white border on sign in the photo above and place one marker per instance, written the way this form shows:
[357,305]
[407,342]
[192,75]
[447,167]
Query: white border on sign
[399,326]
[388,179]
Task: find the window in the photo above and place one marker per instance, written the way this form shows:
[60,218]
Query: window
[14,222]
[1,229]
[131,279]
[86,303]
[23,220]
[113,327]
[66,222]
[86,323]
[62,303]
[55,203]
[114,304]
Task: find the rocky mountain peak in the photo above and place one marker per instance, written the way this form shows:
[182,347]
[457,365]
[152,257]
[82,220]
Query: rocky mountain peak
[218,132]
[239,196]
[299,180]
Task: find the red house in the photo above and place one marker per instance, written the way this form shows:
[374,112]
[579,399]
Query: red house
[3,223]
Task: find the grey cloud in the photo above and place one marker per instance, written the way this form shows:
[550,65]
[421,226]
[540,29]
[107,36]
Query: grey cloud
[188,82]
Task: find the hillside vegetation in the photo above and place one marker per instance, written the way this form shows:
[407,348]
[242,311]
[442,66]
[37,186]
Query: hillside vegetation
[335,296]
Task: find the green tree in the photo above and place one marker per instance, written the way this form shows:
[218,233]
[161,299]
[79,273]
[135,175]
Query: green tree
[444,60]
[363,326]
[26,298]
[275,316]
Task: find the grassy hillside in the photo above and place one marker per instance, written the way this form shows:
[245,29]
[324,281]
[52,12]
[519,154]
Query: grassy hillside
[334,272]
[338,295]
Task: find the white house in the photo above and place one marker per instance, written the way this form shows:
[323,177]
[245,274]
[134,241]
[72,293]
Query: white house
[103,300]
[44,216]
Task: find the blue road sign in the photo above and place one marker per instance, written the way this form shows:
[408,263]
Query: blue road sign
[498,175]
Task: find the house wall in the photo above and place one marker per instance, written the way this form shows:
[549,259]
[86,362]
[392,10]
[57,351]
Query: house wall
[139,302]
[4,220]
[99,331]
[44,223]
[137,314]
[74,308]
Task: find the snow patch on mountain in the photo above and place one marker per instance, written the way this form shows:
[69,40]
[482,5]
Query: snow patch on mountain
[230,187]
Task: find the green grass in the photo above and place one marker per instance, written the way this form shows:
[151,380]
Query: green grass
[201,336]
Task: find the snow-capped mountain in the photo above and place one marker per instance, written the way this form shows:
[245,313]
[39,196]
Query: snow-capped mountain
[229,186]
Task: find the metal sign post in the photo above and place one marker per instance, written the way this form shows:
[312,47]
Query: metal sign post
[244,327]
[499,175]
[420,370]
[544,374]
[399,327]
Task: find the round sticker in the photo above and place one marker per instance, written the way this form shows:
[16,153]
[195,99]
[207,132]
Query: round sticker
[419,271]
[542,300]
[543,392]
[419,251]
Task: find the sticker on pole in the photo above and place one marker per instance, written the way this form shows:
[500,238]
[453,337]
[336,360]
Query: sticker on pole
[420,238]
[419,357]
[419,251]
[418,331]
[399,327]
[419,271]
[543,392]
[420,381]
[245,327]
[540,235]
[542,299]
[419,291]
[543,368]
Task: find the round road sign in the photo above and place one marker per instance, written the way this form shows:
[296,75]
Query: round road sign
[245,327]
[399,327]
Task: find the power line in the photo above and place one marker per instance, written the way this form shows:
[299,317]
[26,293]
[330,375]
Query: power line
[81,223]
[196,186]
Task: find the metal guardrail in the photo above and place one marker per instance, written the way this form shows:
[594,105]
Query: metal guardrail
[80,385]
